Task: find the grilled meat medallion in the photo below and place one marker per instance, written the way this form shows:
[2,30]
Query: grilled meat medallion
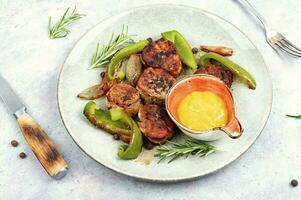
[125,96]
[155,123]
[217,71]
[163,54]
[153,85]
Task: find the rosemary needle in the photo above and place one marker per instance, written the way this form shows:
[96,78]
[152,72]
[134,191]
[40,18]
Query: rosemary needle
[59,29]
[102,55]
[189,147]
[294,116]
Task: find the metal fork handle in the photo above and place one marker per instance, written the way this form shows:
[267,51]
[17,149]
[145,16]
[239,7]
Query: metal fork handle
[253,11]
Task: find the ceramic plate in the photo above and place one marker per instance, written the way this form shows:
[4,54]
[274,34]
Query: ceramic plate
[199,27]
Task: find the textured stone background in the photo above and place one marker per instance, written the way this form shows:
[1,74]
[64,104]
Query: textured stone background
[31,62]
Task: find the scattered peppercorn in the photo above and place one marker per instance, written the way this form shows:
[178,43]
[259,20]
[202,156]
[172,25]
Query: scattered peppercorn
[116,137]
[14,143]
[150,39]
[149,145]
[22,155]
[294,183]
[195,50]
[102,74]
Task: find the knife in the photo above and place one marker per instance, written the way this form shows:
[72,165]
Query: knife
[41,145]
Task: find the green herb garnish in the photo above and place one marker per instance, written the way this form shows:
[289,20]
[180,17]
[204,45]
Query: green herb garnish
[102,55]
[59,30]
[294,116]
[191,146]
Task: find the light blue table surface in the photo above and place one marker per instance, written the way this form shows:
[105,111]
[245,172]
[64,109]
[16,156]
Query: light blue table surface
[31,62]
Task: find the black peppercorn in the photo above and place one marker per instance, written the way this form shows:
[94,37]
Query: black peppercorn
[22,155]
[14,143]
[116,137]
[150,39]
[102,74]
[195,50]
[149,145]
[294,183]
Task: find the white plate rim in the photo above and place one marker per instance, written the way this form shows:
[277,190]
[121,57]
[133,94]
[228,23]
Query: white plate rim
[147,179]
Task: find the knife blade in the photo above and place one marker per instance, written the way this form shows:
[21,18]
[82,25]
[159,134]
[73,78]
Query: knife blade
[8,96]
[39,142]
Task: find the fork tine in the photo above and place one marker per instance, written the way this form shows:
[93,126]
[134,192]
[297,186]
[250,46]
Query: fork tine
[289,47]
[288,42]
[286,50]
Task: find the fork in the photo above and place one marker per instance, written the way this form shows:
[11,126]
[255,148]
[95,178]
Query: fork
[275,39]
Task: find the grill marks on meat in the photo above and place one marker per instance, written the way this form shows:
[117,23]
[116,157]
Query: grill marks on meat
[163,54]
[125,96]
[107,84]
[154,84]
[155,123]
[217,71]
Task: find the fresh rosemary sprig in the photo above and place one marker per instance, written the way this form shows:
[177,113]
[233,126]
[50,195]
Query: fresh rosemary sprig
[191,146]
[59,30]
[294,116]
[102,55]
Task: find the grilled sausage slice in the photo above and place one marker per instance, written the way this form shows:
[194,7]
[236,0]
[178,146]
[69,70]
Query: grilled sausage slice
[217,71]
[153,85]
[155,123]
[125,96]
[163,54]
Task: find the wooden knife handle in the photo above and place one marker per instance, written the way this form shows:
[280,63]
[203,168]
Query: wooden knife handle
[42,146]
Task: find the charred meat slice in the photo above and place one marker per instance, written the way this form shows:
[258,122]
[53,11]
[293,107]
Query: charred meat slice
[155,123]
[217,71]
[153,85]
[163,54]
[125,96]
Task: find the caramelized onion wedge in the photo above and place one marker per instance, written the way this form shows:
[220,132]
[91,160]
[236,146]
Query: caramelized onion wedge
[92,93]
[98,90]
[224,51]
[133,69]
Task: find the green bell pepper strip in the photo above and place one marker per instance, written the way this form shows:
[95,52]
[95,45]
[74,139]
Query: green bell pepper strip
[182,47]
[237,70]
[102,119]
[124,53]
[133,149]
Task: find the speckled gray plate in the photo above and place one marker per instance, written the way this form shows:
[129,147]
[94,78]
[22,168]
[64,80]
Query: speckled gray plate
[199,27]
